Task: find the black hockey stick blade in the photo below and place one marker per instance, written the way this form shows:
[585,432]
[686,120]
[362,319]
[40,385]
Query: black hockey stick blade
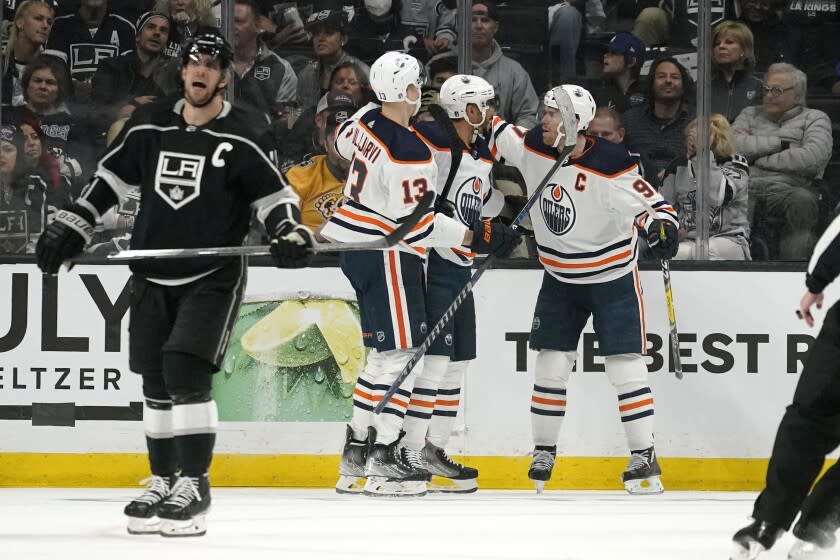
[399,233]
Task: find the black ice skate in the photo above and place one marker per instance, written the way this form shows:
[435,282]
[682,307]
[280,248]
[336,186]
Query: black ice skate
[184,512]
[388,475]
[142,512]
[541,465]
[447,475]
[642,474]
[351,470]
[754,539]
[813,541]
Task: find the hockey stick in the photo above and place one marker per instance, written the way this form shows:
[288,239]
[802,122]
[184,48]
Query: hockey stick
[468,287]
[456,152]
[387,241]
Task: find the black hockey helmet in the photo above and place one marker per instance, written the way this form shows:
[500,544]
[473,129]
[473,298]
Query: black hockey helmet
[209,43]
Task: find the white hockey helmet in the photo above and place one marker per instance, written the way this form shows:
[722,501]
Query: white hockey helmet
[581,100]
[461,90]
[392,73]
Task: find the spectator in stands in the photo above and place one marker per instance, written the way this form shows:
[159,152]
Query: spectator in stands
[23,213]
[352,79]
[656,130]
[788,146]
[625,54]
[91,34]
[46,89]
[280,26]
[186,18]
[734,84]
[25,38]
[674,22]
[565,31]
[774,41]
[123,83]
[441,69]
[319,180]
[307,135]
[328,39]
[39,161]
[518,101]
[262,79]
[131,9]
[607,124]
[726,195]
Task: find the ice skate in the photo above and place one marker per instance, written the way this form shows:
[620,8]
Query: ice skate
[754,539]
[813,542]
[351,470]
[642,474]
[541,466]
[447,475]
[184,512]
[142,512]
[388,475]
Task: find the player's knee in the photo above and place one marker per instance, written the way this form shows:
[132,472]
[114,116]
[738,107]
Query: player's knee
[395,360]
[625,370]
[154,389]
[188,378]
[554,367]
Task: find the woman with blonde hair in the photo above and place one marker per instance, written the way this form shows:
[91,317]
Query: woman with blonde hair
[726,194]
[734,84]
[186,17]
[25,38]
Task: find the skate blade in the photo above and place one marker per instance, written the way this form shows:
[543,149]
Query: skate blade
[443,485]
[143,525]
[380,487]
[803,550]
[350,484]
[741,553]
[194,527]
[644,486]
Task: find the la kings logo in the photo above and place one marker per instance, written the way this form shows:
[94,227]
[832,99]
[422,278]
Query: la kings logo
[468,200]
[558,209]
[178,178]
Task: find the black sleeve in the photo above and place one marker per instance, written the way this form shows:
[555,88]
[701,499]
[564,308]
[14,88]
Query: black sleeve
[825,262]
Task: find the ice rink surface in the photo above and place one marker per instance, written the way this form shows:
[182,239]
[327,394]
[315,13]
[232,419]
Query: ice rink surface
[250,524]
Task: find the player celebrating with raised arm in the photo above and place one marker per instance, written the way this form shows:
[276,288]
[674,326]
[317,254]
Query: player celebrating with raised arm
[391,169]
[436,394]
[201,166]
[586,236]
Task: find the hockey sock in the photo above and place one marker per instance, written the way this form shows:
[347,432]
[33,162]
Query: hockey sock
[628,374]
[447,403]
[548,400]
[389,423]
[422,402]
[157,423]
[363,403]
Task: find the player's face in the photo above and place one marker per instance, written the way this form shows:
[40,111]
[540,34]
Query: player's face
[8,157]
[345,81]
[202,76]
[667,82]
[727,50]
[326,42]
[154,35]
[613,63]
[550,121]
[43,88]
[604,127]
[35,23]
[31,143]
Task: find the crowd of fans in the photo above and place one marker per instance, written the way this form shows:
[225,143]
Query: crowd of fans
[74,71]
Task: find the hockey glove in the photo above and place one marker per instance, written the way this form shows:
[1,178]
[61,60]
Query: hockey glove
[291,248]
[493,238]
[663,239]
[64,238]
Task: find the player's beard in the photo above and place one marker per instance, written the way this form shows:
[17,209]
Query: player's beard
[205,97]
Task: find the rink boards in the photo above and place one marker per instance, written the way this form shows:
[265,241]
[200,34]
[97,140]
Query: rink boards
[70,409]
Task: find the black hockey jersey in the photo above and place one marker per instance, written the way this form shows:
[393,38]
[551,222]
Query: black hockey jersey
[197,185]
[70,35]
[23,214]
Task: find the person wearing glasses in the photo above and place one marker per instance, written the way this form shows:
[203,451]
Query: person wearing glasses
[788,146]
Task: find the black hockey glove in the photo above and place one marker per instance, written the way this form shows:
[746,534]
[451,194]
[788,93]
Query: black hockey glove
[290,248]
[64,238]
[494,238]
[663,239]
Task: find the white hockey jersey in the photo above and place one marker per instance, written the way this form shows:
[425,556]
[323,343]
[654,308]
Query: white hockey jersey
[391,169]
[585,220]
[472,193]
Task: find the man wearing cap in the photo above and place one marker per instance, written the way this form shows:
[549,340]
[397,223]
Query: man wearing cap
[124,82]
[329,35]
[262,80]
[319,179]
[622,62]
[306,137]
[518,103]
